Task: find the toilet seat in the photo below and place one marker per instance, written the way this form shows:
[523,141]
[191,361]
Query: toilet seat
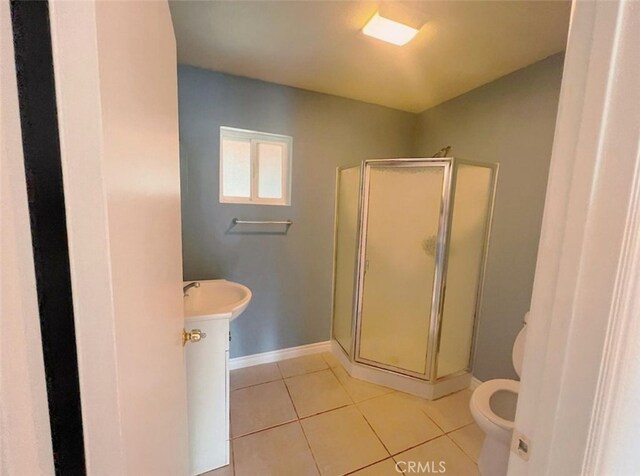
[486,418]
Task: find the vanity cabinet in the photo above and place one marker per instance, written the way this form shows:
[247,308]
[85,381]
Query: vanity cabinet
[207,362]
[209,306]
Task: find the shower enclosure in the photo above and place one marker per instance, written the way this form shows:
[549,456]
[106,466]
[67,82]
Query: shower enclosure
[410,246]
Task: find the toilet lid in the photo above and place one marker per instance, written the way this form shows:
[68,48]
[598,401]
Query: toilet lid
[518,350]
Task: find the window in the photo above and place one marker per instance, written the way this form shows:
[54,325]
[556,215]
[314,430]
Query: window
[255,167]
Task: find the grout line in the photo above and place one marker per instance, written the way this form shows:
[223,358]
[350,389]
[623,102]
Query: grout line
[455,443]
[354,403]
[326,411]
[278,362]
[415,446]
[406,449]
[293,404]
[306,438]
[396,462]
[305,417]
[276,379]
[370,426]
[290,421]
[343,386]
[325,359]
[373,430]
[305,373]
[347,391]
[458,428]
[295,410]
[256,384]
[368,465]
[433,421]
[462,449]
[264,429]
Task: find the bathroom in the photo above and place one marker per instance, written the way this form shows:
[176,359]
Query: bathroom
[325,238]
[295,270]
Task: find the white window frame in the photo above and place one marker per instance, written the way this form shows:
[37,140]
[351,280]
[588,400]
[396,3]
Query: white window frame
[255,138]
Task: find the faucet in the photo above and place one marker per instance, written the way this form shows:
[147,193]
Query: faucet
[185,289]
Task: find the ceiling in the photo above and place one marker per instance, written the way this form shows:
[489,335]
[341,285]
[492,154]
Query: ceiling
[319,46]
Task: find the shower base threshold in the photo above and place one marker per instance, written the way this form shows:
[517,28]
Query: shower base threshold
[403,383]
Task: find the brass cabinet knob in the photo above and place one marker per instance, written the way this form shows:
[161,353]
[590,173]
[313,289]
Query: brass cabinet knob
[194,335]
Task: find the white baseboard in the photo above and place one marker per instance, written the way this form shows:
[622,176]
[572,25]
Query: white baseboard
[475,383]
[277,355]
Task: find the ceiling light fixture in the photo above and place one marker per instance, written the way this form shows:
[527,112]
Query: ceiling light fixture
[388,30]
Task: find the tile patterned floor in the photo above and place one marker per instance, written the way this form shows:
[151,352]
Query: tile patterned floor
[307,416]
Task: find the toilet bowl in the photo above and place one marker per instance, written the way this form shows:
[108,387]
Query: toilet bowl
[493,406]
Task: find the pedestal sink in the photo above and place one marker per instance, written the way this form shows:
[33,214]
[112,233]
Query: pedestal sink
[215,299]
[207,312]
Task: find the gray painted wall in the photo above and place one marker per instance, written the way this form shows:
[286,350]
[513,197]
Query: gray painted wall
[510,121]
[290,275]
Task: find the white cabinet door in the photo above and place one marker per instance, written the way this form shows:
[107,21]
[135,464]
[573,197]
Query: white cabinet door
[207,393]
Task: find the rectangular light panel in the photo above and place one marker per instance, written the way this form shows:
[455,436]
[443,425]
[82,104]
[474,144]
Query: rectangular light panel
[388,30]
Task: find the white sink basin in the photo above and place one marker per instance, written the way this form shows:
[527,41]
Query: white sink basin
[216,299]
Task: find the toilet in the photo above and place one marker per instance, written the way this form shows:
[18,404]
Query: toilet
[493,406]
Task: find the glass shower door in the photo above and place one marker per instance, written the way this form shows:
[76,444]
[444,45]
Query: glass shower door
[400,246]
[348,188]
[470,216]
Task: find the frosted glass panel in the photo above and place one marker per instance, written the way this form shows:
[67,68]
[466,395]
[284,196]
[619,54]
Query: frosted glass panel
[270,158]
[346,247]
[236,168]
[402,229]
[466,247]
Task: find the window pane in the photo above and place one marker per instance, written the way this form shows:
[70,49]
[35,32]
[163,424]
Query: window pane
[270,157]
[236,168]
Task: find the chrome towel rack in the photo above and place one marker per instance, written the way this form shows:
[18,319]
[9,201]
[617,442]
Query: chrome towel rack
[237,221]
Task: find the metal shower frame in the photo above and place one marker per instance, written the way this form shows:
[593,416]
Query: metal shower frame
[441,260]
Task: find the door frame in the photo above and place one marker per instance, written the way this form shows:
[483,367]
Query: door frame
[24,414]
[80,109]
[580,359]
[572,400]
